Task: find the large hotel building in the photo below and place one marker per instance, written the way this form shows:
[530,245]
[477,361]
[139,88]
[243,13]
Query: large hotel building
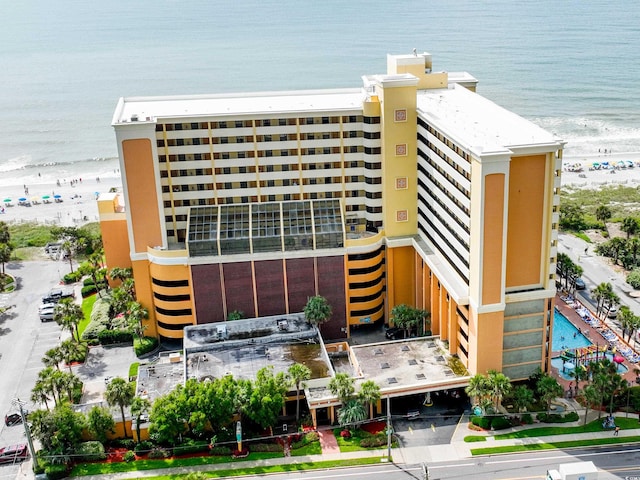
[410,189]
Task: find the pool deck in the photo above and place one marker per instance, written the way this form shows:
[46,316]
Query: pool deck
[594,334]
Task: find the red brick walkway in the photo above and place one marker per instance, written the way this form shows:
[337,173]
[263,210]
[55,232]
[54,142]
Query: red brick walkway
[328,442]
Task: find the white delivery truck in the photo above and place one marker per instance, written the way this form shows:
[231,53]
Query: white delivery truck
[574,471]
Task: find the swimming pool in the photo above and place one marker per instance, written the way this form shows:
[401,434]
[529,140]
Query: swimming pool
[565,335]
[565,367]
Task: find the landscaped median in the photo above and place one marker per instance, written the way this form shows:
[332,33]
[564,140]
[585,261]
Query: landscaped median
[594,426]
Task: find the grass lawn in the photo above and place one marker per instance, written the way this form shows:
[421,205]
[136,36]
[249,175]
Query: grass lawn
[313,448]
[107,468]
[87,307]
[594,426]
[267,469]
[552,446]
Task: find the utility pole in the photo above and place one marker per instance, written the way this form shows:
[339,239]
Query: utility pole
[27,432]
[425,472]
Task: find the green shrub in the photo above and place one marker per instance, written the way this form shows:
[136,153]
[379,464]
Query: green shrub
[500,423]
[191,446]
[220,450]
[158,453]
[144,345]
[266,447]
[144,447]
[129,456]
[90,451]
[56,472]
[112,337]
[72,277]
[526,418]
[309,437]
[374,441]
[557,417]
[482,422]
[633,278]
[88,290]
[127,443]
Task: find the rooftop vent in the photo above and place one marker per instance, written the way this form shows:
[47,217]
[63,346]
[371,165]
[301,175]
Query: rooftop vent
[405,348]
[283,324]
[378,351]
[431,345]
[385,365]
[413,362]
[392,380]
[420,376]
[439,358]
[134,117]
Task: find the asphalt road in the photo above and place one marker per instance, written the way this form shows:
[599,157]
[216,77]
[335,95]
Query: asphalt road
[23,341]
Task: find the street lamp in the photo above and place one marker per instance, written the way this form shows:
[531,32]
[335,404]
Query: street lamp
[27,431]
[389,428]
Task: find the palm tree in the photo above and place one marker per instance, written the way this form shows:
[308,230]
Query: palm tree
[591,397]
[139,406]
[617,245]
[580,373]
[603,213]
[317,310]
[71,351]
[68,314]
[46,383]
[121,393]
[342,387]
[478,388]
[121,274]
[369,394]
[548,389]
[135,314]
[5,255]
[522,397]
[53,357]
[298,375]
[633,246]
[630,226]
[351,412]
[499,385]
[40,394]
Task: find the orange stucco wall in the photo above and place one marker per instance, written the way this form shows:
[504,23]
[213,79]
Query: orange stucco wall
[400,263]
[485,339]
[492,238]
[142,195]
[115,240]
[526,214]
[144,294]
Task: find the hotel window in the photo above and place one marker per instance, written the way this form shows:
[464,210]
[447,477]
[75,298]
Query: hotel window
[222,124]
[282,122]
[284,137]
[239,124]
[269,168]
[266,123]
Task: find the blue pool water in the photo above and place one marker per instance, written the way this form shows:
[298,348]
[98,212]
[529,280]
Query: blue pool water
[565,335]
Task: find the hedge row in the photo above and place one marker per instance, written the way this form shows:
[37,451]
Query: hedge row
[558,418]
[488,423]
[90,451]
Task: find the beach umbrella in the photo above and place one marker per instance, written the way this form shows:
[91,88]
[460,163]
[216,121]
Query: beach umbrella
[57,196]
[46,197]
[618,358]
[7,200]
[22,199]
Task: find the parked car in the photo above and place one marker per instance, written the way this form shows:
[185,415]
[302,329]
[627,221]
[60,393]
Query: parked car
[11,419]
[14,453]
[46,312]
[580,285]
[613,312]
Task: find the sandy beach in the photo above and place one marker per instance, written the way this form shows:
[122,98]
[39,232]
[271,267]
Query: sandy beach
[77,205]
[71,203]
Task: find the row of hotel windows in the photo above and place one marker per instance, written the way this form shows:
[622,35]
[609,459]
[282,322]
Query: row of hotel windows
[292,152]
[168,204]
[193,187]
[445,191]
[442,240]
[436,166]
[282,137]
[284,167]
[465,155]
[422,187]
[267,122]
[451,162]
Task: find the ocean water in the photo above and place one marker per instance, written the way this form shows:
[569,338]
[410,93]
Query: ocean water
[572,66]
